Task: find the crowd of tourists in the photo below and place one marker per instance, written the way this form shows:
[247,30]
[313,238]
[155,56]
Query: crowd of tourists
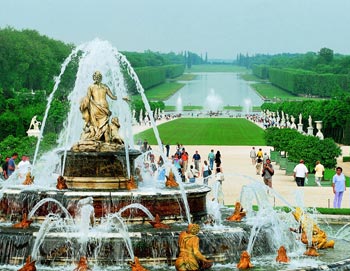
[9,166]
[263,166]
[191,167]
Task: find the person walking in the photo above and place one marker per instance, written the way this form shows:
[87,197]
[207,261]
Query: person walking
[211,158]
[338,187]
[260,153]
[253,155]
[265,157]
[319,173]
[167,147]
[300,173]
[184,160]
[258,166]
[217,188]
[267,173]
[196,159]
[218,158]
[205,172]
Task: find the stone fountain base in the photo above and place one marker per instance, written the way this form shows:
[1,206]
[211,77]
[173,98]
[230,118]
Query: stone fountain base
[167,203]
[98,170]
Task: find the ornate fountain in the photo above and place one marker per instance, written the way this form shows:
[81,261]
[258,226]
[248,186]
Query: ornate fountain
[100,213]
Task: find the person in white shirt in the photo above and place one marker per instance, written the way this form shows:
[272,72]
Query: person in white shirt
[24,167]
[319,172]
[300,173]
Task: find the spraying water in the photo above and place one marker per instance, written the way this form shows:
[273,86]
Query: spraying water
[179,106]
[213,102]
[46,200]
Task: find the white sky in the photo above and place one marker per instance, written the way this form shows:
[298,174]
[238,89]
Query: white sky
[222,28]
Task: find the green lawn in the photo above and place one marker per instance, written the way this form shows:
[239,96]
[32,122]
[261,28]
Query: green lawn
[207,131]
[185,77]
[185,107]
[216,68]
[327,180]
[251,77]
[163,91]
[269,91]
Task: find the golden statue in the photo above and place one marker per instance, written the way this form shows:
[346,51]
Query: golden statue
[282,255]
[190,258]
[170,180]
[157,223]
[238,213]
[25,223]
[95,110]
[29,179]
[29,265]
[136,266]
[83,265]
[319,237]
[244,262]
[131,184]
[311,251]
[61,183]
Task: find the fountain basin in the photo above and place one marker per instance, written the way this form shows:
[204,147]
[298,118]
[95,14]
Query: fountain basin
[165,202]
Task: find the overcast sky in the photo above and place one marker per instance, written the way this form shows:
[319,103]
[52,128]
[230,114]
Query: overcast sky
[222,28]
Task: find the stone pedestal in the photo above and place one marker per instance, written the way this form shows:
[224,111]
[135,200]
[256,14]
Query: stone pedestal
[310,131]
[300,128]
[33,132]
[98,170]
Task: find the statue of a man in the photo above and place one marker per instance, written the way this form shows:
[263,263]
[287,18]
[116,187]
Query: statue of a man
[190,258]
[95,109]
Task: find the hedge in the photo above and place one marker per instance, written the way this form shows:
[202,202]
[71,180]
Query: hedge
[302,82]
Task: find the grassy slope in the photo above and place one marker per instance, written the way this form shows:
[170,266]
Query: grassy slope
[270,91]
[209,131]
[163,92]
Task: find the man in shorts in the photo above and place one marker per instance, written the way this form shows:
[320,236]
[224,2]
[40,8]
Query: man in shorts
[267,173]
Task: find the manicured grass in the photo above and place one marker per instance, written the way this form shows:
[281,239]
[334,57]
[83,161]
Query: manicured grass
[251,77]
[240,108]
[185,108]
[185,77]
[269,91]
[273,93]
[233,107]
[163,91]
[321,210]
[207,131]
[327,179]
[216,68]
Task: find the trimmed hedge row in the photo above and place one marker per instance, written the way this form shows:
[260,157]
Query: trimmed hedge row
[153,76]
[309,83]
[261,71]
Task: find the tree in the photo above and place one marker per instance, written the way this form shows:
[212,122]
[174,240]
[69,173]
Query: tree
[326,55]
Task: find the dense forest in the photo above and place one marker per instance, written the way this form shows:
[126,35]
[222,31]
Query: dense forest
[28,64]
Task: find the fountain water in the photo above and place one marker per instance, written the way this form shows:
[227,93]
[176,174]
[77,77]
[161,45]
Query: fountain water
[247,108]
[107,224]
[179,106]
[213,102]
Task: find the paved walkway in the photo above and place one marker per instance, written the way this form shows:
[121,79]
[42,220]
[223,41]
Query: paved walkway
[239,171]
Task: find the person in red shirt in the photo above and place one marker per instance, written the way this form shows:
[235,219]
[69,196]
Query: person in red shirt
[184,159]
